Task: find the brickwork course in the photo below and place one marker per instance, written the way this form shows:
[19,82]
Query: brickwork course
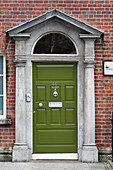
[97,13]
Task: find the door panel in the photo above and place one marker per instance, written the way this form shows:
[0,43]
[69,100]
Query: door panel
[69,93]
[43,72]
[55,116]
[70,116]
[55,141]
[41,116]
[41,95]
[55,128]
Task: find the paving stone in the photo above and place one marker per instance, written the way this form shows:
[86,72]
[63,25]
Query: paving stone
[52,165]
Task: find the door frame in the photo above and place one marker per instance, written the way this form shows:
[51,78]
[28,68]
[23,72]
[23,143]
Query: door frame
[59,156]
[84,36]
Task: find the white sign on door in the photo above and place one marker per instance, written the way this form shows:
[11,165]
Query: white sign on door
[55,104]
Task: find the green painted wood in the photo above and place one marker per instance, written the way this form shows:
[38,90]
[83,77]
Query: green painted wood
[55,128]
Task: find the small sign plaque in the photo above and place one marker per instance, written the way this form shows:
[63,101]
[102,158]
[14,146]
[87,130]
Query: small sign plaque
[108,68]
[55,104]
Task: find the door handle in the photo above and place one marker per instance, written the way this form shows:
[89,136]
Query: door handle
[40,105]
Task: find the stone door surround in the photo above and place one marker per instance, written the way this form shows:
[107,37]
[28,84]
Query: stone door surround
[83,36]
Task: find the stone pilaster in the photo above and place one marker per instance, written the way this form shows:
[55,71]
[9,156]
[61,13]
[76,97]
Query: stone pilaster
[89,152]
[20,149]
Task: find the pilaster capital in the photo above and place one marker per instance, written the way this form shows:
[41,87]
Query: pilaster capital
[89,36]
[20,63]
[20,36]
[89,45]
[89,64]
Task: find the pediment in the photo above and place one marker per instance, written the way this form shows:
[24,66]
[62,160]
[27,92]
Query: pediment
[58,16]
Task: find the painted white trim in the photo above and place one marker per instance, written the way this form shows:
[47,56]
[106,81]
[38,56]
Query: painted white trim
[63,156]
[4,86]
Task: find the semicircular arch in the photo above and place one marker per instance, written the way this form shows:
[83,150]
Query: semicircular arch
[54,43]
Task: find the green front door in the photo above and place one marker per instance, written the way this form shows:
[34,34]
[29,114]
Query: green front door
[55,108]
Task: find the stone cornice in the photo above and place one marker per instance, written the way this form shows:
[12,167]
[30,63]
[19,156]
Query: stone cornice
[54,14]
[20,36]
[89,36]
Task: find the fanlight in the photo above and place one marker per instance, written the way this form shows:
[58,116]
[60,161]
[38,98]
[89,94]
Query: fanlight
[54,43]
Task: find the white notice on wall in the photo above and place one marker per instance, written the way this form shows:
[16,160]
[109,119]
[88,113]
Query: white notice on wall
[108,68]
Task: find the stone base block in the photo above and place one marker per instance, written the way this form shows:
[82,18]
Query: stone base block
[104,158]
[5,154]
[89,154]
[5,157]
[105,154]
[20,154]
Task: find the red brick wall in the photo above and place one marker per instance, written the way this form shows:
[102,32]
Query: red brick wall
[7,133]
[98,13]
